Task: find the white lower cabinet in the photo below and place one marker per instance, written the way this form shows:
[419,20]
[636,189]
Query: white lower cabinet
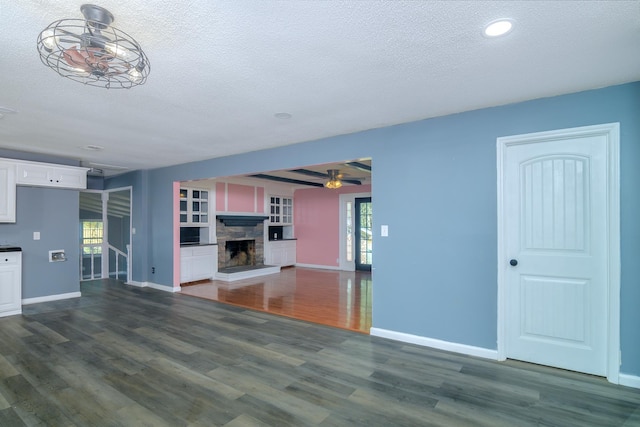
[281,253]
[198,263]
[10,283]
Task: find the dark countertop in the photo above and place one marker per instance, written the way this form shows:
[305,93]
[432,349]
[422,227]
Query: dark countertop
[281,240]
[9,248]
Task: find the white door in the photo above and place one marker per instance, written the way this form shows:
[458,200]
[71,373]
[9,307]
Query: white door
[555,278]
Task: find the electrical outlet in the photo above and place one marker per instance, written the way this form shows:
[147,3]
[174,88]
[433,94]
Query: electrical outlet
[153,270]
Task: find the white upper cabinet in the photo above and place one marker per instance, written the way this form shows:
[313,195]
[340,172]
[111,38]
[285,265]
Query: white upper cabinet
[49,175]
[7,192]
[280,210]
[194,206]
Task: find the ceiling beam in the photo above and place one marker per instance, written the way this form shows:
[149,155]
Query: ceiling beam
[359,166]
[287,180]
[310,173]
[323,176]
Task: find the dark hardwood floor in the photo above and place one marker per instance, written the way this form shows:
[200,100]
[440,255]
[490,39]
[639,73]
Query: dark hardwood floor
[341,299]
[124,356]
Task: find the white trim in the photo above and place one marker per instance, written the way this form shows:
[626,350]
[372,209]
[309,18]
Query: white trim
[469,350]
[136,284]
[613,157]
[318,266]
[226,196]
[11,313]
[612,131]
[48,298]
[157,286]
[105,231]
[629,380]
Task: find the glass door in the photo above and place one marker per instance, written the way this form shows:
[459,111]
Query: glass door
[363,234]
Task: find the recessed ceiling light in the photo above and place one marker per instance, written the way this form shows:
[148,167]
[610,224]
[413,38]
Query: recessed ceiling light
[282,116]
[497,28]
[93,147]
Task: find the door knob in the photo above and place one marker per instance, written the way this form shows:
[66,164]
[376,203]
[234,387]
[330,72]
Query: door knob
[513,262]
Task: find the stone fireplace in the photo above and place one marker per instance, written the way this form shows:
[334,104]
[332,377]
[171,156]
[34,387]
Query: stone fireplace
[240,241]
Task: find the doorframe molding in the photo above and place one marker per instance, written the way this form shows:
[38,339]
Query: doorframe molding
[612,133]
[343,264]
[105,227]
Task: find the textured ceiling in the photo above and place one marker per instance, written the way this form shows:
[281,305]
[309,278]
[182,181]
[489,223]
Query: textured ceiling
[220,70]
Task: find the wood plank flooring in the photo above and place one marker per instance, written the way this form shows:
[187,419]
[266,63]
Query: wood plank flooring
[125,356]
[341,299]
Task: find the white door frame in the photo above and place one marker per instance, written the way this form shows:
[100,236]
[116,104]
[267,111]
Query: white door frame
[612,133]
[105,247]
[344,198]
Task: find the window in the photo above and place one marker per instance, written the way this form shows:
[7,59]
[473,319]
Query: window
[349,242]
[92,237]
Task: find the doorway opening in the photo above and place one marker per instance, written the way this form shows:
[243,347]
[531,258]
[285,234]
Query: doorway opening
[105,234]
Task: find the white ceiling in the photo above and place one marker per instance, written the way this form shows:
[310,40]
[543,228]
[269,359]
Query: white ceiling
[220,70]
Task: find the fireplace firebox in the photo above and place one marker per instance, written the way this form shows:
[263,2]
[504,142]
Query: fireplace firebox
[239,253]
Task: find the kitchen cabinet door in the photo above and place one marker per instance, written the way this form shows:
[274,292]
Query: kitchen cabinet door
[10,283]
[47,175]
[7,192]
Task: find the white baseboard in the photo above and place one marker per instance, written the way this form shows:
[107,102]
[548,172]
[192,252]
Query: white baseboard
[321,267]
[136,284]
[434,343]
[629,380]
[48,298]
[11,313]
[157,286]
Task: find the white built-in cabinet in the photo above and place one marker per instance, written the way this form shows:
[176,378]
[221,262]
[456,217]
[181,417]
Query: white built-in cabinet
[198,262]
[35,174]
[194,206]
[281,252]
[48,175]
[7,192]
[280,210]
[10,283]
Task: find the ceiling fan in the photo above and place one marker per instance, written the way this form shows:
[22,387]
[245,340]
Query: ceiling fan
[335,179]
[92,51]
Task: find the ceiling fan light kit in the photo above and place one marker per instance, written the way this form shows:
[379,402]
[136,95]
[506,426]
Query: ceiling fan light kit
[92,52]
[335,179]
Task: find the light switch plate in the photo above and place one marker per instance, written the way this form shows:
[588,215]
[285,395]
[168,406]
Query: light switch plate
[36,235]
[384,230]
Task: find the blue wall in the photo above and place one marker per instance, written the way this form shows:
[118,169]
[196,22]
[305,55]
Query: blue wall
[434,184]
[54,213]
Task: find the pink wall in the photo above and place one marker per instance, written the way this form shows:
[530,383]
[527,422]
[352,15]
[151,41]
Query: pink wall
[221,195]
[176,234]
[317,221]
[260,199]
[239,198]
